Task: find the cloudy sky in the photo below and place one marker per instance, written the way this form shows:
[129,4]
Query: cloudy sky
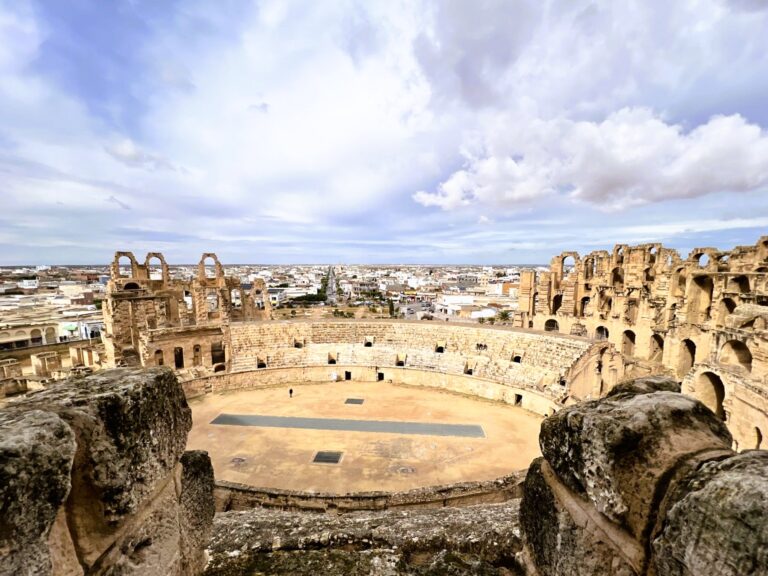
[451,131]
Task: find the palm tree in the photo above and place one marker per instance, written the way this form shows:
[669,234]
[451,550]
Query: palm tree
[503,316]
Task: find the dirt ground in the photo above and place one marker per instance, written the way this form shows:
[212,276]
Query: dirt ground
[282,457]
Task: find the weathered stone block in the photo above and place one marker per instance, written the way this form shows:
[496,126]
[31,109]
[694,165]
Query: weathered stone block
[564,537]
[37,450]
[718,525]
[618,452]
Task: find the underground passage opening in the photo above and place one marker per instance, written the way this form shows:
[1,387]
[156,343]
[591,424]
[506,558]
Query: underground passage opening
[347,375]
[380,376]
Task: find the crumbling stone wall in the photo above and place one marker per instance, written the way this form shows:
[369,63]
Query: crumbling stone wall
[701,320]
[140,307]
[644,482]
[94,479]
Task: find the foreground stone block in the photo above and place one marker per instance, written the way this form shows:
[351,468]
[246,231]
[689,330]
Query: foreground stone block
[92,479]
[719,522]
[616,451]
[643,482]
[457,541]
[37,450]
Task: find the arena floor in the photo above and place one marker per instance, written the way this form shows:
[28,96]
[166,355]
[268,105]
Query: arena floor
[400,437]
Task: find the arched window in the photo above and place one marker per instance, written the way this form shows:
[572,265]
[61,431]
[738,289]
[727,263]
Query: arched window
[736,353]
[628,343]
[687,357]
[656,348]
[551,326]
[725,309]
[617,279]
[601,333]
[583,306]
[709,390]
[700,298]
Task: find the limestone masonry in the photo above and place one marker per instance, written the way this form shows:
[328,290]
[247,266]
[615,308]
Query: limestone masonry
[651,372]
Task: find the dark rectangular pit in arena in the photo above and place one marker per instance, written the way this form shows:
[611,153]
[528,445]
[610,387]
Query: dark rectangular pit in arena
[343,424]
[354,401]
[327,457]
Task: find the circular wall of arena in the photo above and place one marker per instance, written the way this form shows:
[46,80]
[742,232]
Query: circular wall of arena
[391,413]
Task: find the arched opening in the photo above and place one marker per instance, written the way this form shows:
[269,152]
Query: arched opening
[298,344]
[188,299]
[197,355]
[725,309]
[649,275]
[736,353]
[50,336]
[617,279]
[331,358]
[628,343]
[219,368]
[210,269]
[681,282]
[687,357]
[589,268]
[568,265]
[125,267]
[368,344]
[583,306]
[439,349]
[467,370]
[131,286]
[758,438]
[178,357]
[738,284]
[656,348]
[159,361]
[709,390]
[36,337]
[517,359]
[261,363]
[702,259]
[557,302]
[551,326]
[155,271]
[235,298]
[700,298]
[601,333]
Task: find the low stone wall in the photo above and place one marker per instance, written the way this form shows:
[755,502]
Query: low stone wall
[94,479]
[537,401]
[231,496]
[477,540]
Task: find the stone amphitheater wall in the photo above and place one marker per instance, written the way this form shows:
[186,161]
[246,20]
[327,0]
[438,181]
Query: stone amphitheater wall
[231,496]
[701,320]
[537,371]
[535,401]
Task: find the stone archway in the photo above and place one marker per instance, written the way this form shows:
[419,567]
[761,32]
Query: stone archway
[709,390]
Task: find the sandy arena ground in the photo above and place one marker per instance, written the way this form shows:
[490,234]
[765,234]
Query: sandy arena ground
[282,457]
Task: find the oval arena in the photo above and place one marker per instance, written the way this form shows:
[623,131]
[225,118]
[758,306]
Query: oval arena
[364,390]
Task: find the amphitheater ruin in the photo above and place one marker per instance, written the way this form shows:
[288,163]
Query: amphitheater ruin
[646,373]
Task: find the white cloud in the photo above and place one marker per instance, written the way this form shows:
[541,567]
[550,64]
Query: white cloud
[126,151]
[631,158]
